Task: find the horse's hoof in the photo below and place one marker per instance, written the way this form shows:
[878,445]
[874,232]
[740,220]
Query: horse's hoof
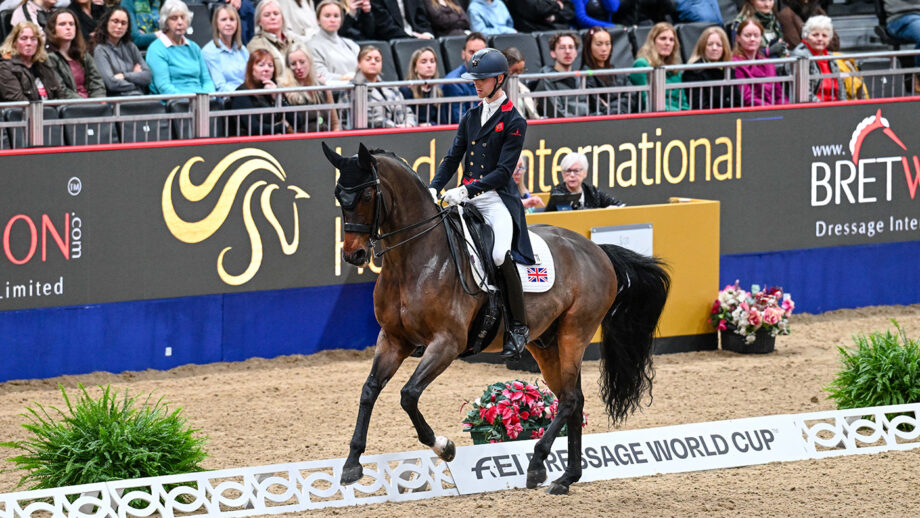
[557,489]
[351,474]
[444,448]
[535,478]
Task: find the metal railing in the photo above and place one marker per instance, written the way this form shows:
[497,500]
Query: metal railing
[558,94]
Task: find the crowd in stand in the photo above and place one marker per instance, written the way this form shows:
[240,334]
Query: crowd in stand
[105,48]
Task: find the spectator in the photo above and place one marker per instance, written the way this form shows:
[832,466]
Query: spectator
[391,23]
[24,73]
[88,13]
[637,12]
[447,17]
[563,49]
[144,20]
[118,59]
[698,11]
[541,15]
[358,23]
[299,18]
[711,47]
[854,85]
[793,15]
[270,33]
[392,111]
[335,57]
[67,56]
[490,17]
[516,65]
[176,61]
[299,60]
[260,75]
[661,48]
[529,201]
[225,54]
[574,171]
[598,47]
[904,21]
[816,36]
[602,11]
[35,11]
[763,12]
[423,65]
[748,47]
[474,42]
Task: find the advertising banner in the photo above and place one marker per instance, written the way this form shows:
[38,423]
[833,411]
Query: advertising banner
[97,226]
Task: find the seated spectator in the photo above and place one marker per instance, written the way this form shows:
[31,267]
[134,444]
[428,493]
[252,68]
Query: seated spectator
[35,11]
[601,13]
[270,33]
[24,71]
[595,55]
[698,11]
[144,16]
[712,47]
[358,23]
[299,18]
[763,12]
[447,17]
[661,48]
[748,47]
[394,113]
[119,61]
[638,12]
[260,75]
[490,17]
[563,49]
[336,57]
[529,201]
[391,23]
[793,15]
[225,54]
[816,36]
[423,65]
[176,61]
[300,64]
[542,15]
[574,171]
[904,21]
[474,42]
[516,65]
[67,56]
[88,13]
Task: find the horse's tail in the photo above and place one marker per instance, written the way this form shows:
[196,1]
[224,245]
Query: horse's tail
[627,329]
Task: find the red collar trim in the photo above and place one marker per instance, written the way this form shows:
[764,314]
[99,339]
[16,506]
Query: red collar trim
[507,106]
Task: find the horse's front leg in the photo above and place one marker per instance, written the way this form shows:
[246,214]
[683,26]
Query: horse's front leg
[387,359]
[439,354]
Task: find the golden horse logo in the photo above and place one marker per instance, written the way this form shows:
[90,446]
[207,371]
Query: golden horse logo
[246,161]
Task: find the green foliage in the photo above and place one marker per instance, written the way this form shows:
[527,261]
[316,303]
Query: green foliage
[879,371]
[105,439]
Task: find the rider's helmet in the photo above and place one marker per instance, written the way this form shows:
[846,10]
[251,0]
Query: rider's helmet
[487,62]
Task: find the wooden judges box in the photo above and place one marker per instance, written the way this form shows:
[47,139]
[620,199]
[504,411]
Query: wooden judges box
[685,234]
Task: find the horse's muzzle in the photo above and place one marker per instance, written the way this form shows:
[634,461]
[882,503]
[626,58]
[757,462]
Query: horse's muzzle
[358,257]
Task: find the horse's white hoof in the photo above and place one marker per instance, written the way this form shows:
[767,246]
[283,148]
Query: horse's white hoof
[444,448]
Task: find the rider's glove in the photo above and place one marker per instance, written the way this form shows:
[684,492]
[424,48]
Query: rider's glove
[456,195]
[434,194]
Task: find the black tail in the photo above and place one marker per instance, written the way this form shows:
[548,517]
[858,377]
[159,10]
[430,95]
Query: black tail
[627,330]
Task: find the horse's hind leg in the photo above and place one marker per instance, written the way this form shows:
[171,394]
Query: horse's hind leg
[569,411]
[436,358]
[387,359]
[574,419]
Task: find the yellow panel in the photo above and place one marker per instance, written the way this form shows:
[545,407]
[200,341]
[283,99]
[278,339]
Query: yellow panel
[685,236]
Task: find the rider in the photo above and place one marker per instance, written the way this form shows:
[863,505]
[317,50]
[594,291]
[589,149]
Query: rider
[492,136]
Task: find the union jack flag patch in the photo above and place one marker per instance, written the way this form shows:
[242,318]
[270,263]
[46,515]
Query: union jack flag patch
[537,274]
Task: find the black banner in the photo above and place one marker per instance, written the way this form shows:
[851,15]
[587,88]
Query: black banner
[128,224]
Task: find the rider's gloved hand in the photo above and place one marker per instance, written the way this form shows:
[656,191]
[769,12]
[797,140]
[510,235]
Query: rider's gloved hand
[434,194]
[456,195]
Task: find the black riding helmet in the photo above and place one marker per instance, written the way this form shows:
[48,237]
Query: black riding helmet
[487,62]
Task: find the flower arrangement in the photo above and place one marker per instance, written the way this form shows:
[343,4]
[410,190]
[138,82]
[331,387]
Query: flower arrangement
[512,410]
[747,312]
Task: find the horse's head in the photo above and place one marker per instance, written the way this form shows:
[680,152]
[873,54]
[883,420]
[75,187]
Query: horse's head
[358,193]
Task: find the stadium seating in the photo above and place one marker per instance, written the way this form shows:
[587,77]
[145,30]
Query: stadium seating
[687,36]
[142,130]
[388,72]
[200,29]
[523,42]
[451,47]
[52,134]
[83,133]
[5,17]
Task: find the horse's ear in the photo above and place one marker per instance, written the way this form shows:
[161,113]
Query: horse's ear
[365,159]
[333,157]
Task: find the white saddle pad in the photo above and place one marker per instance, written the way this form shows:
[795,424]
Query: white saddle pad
[540,276]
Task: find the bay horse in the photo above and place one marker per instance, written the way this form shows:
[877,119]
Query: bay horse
[420,300]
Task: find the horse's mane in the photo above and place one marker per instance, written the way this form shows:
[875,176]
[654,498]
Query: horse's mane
[404,163]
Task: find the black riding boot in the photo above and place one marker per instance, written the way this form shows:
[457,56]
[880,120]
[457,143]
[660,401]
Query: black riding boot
[516,332]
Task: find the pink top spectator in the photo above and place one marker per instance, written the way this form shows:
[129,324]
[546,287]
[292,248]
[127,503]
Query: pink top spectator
[759,94]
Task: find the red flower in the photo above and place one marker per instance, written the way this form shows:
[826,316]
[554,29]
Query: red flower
[489,413]
[536,434]
[500,126]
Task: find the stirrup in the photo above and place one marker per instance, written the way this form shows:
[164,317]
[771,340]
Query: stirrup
[516,337]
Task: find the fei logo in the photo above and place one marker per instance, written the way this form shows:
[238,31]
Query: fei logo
[862,179]
[238,166]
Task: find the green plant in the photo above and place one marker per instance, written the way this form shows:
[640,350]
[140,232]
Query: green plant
[879,371]
[105,439]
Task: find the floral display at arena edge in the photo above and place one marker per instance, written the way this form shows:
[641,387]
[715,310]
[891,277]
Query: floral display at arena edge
[513,410]
[747,312]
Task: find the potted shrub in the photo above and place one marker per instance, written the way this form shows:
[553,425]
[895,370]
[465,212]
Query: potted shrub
[748,321]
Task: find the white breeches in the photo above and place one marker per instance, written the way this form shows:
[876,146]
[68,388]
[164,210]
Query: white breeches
[497,216]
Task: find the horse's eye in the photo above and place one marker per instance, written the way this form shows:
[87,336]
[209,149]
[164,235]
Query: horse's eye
[367,195]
